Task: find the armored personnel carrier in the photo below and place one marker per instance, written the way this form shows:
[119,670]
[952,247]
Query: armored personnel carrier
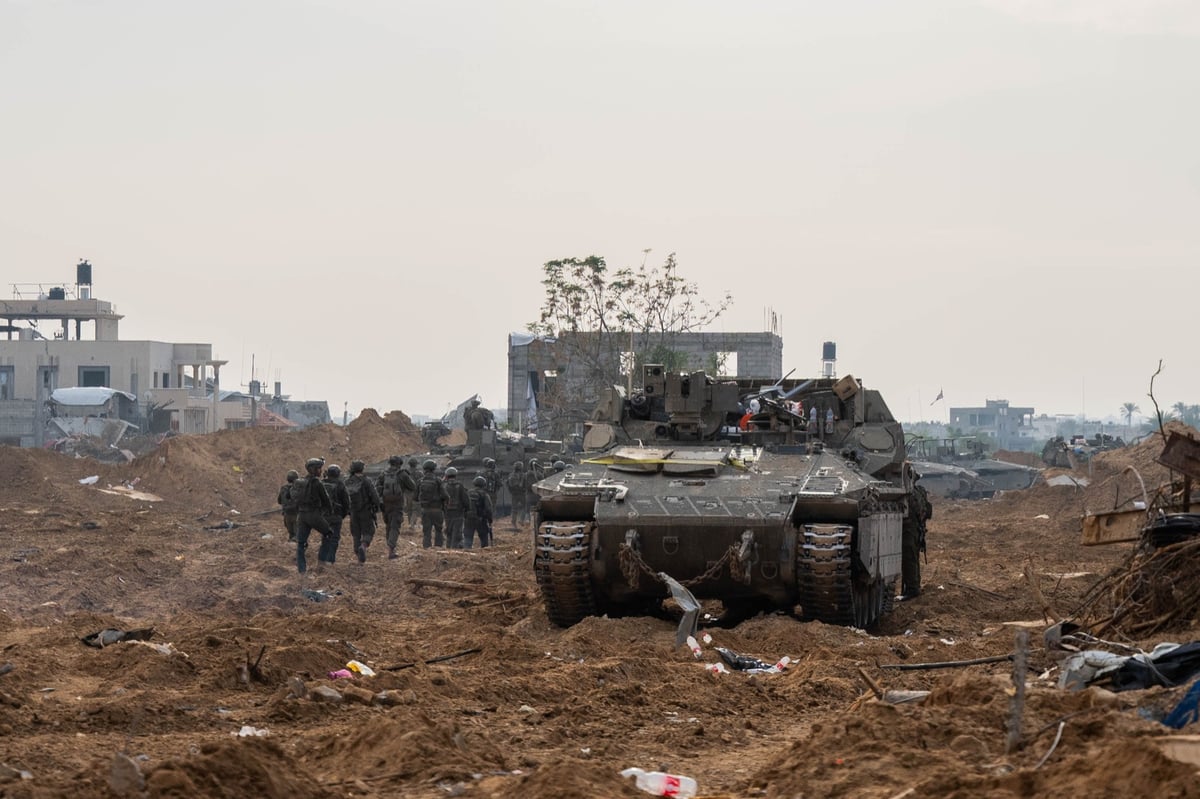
[790,497]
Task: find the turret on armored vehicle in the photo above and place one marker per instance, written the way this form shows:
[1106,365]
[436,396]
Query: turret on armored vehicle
[790,497]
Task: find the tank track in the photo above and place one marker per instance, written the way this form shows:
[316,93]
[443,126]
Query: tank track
[823,575]
[561,563]
[825,580]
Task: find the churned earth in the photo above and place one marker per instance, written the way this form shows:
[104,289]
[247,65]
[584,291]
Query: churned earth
[522,708]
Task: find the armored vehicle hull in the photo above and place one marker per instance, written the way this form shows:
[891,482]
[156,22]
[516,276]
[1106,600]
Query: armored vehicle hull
[783,518]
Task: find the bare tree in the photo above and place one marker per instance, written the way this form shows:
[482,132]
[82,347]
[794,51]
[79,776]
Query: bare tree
[605,324]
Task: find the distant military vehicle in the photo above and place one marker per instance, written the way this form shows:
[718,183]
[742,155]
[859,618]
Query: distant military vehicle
[959,467]
[1064,454]
[792,495]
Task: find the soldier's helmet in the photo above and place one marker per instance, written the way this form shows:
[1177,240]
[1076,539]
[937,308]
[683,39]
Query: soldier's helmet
[334,471]
[293,475]
[357,467]
[395,460]
[451,471]
[429,466]
[480,481]
[313,465]
[489,463]
[412,462]
[533,462]
[559,466]
[518,467]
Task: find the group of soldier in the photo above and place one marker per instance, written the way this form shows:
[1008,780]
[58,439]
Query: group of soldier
[451,513]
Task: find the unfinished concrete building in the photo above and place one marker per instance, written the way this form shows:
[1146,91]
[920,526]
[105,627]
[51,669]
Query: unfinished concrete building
[544,370]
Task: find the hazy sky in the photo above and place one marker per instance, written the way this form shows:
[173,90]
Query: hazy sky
[998,198]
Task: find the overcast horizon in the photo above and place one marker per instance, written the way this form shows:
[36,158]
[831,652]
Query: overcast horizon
[995,199]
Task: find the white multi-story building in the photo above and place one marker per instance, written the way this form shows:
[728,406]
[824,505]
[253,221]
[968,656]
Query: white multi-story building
[43,346]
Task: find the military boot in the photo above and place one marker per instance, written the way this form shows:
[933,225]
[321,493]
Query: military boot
[392,553]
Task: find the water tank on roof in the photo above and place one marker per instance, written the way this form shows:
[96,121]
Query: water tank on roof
[83,273]
[57,294]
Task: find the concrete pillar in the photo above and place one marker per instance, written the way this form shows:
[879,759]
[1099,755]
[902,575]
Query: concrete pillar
[216,396]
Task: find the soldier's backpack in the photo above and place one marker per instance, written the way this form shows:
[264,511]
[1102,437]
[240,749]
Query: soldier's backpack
[429,490]
[356,487]
[334,497]
[516,482]
[456,496]
[392,485]
[479,499]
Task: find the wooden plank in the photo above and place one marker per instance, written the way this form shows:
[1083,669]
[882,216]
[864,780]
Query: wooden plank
[1113,527]
[1181,454]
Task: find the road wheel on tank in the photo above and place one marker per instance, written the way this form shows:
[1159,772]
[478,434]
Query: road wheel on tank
[562,564]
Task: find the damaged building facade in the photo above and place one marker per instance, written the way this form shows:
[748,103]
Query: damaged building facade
[546,373]
[60,337]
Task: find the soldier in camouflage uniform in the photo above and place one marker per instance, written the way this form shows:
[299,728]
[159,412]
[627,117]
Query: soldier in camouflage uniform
[913,538]
[312,503]
[340,499]
[364,504]
[410,494]
[431,495]
[289,504]
[393,486]
[520,501]
[479,514]
[456,508]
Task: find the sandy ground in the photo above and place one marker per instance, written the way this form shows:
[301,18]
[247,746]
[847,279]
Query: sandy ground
[537,711]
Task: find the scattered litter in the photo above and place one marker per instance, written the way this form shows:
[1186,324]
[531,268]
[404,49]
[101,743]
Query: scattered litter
[898,697]
[1187,711]
[90,525]
[947,641]
[660,783]
[1167,664]
[315,596]
[716,668]
[707,639]
[750,664]
[90,481]
[104,638]
[695,647]
[1042,516]
[527,709]
[687,602]
[131,493]
[225,525]
[7,773]
[361,668]
[167,649]
[341,674]
[250,732]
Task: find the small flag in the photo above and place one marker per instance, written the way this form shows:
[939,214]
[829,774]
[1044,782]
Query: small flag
[938,397]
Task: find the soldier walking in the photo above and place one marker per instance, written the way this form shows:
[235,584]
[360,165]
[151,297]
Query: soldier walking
[364,504]
[392,486]
[479,514]
[312,503]
[516,488]
[431,495]
[339,498]
[456,508]
[410,491]
[288,504]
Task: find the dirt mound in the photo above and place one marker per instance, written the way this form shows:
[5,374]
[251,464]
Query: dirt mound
[487,698]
